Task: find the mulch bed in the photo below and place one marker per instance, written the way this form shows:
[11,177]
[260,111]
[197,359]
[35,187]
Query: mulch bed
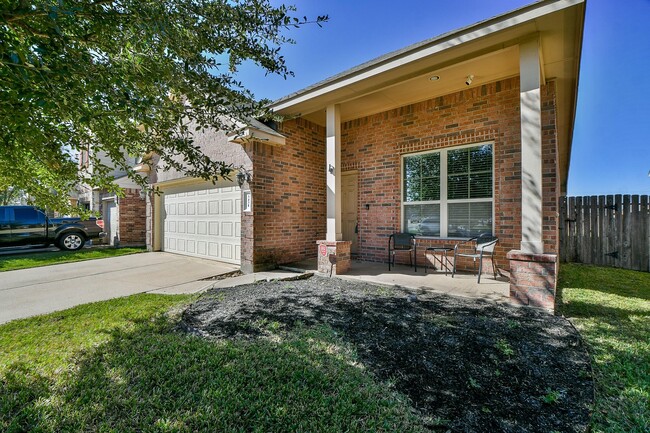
[467,365]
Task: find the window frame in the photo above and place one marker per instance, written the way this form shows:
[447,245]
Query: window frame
[444,202]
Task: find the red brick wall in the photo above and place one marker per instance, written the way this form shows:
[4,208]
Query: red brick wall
[131,225]
[288,185]
[490,112]
[550,171]
[289,200]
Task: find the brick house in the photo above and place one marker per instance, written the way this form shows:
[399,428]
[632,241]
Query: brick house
[122,216]
[466,133]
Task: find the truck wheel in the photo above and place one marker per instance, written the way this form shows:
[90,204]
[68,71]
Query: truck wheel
[71,242]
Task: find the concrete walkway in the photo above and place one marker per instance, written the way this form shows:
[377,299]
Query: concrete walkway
[28,292]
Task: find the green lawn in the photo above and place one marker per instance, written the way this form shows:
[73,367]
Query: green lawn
[611,309]
[121,365]
[34,260]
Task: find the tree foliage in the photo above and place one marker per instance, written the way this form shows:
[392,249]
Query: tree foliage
[10,195]
[131,77]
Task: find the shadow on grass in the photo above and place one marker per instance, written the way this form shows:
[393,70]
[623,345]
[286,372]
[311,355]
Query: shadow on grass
[610,281]
[583,309]
[611,309]
[470,365]
[153,378]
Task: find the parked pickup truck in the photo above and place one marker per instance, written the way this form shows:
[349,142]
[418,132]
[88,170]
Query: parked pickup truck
[27,225]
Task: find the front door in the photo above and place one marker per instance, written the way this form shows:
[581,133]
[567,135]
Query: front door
[110,221]
[349,209]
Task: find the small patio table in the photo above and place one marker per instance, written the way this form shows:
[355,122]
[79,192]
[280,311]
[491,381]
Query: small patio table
[443,259]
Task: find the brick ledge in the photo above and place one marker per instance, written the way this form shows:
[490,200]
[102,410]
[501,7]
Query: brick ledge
[530,257]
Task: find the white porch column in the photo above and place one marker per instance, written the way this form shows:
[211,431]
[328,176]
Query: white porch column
[333,173]
[531,148]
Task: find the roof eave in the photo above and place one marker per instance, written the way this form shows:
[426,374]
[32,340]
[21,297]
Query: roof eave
[423,49]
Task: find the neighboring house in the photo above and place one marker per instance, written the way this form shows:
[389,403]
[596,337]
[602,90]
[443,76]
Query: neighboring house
[123,216]
[466,133]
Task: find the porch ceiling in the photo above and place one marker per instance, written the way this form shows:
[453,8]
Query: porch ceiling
[488,50]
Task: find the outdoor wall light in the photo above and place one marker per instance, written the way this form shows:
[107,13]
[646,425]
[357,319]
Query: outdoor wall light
[469,80]
[243,176]
[144,192]
[331,169]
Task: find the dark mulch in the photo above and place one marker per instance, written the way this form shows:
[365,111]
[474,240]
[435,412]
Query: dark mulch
[467,365]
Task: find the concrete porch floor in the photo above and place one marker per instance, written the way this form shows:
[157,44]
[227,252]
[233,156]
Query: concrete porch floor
[463,283]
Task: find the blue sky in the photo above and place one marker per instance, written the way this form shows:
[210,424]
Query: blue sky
[611,147]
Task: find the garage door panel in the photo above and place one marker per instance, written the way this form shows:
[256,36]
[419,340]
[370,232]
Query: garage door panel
[226,251]
[204,223]
[226,207]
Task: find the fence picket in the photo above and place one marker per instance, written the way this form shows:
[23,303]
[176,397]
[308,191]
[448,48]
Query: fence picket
[610,230]
[563,227]
[592,235]
[618,228]
[572,254]
[645,230]
[602,233]
[580,225]
[626,230]
[638,244]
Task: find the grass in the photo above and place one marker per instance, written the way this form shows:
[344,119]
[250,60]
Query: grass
[121,365]
[611,309]
[33,260]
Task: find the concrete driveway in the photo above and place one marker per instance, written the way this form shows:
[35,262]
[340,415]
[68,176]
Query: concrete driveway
[29,292]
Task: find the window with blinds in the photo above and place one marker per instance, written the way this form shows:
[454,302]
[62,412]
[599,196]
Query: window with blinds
[448,193]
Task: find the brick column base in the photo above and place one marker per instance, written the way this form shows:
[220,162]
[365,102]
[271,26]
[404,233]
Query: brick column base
[334,257]
[533,279]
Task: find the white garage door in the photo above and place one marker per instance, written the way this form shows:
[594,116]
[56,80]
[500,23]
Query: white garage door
[204,223]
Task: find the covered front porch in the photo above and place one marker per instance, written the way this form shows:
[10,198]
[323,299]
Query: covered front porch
[462,135]
[434,281]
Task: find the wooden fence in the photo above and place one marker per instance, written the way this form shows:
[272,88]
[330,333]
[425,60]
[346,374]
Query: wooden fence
[611,230]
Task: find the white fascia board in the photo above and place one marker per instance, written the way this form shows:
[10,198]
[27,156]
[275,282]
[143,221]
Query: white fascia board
[463,36]
[246,135]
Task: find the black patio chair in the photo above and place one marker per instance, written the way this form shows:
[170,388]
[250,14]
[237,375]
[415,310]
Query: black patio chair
[402,242]
[484,247]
